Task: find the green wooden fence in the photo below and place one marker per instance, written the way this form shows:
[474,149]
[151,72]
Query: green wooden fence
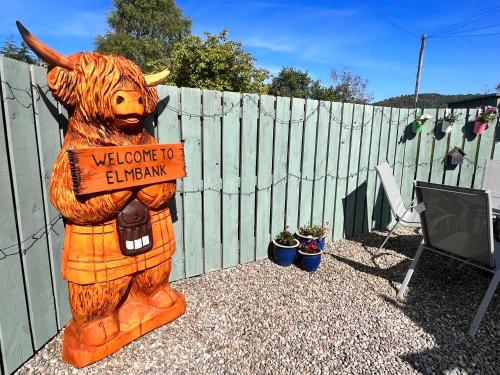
[255,164]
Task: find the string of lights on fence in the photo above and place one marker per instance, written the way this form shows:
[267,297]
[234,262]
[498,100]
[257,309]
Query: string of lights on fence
[230,106]
[40,233]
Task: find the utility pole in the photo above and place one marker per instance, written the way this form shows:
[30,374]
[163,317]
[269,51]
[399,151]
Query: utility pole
[420,58]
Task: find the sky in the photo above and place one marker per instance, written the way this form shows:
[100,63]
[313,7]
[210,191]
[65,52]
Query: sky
[377,39]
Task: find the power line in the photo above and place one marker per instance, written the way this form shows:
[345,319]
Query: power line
[467,21]
[464,36]
[389,20]
[475,29]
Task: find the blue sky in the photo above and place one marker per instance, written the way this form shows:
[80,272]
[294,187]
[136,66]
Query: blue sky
[314,36]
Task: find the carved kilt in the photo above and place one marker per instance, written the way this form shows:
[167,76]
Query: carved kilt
[91,254]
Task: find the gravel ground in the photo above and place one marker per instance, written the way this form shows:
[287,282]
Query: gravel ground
[261,318]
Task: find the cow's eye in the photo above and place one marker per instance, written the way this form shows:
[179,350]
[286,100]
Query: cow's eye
[119,99]
[140,100]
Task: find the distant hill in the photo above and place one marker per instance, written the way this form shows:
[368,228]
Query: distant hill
[432,100]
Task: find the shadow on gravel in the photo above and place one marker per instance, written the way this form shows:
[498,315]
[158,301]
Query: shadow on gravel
[442,299]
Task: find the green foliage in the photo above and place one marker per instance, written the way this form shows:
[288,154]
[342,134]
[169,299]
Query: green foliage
[144,31]
[313,230]
[431,100]
[22,53]
[215,63]
[346,87]
[285,238]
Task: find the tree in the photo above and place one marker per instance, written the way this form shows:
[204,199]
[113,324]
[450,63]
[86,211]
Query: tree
[498,87]
[215,63]
[21,53]
[293,83]
[144,31]
[347,86]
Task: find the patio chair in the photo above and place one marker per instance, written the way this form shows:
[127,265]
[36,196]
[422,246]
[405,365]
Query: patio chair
[457,223]
[404,215]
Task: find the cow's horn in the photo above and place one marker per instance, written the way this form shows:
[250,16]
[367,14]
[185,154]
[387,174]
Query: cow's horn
[155,79]
[43,51]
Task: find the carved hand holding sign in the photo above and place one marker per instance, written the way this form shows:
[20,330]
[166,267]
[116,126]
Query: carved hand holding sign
[111,181]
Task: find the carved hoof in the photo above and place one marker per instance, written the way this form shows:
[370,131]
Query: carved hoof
[164,298]
[99,332]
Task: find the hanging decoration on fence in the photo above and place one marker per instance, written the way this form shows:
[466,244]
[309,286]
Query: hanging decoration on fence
[419,122]
[448,121]
[455,157]
[111,182]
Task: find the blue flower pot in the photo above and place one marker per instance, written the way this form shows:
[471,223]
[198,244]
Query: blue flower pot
[285,255]
[321,242]
[310,262]
[305,239]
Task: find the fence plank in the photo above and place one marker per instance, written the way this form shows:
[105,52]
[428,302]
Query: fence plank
[410,157]
[230,177]
[191,133]
[294,157]
[350,200]
[496,148]
[15,337]
[47,131]
[280,164]
[385,131]
[342,170]
[29,199]
[320,163]
[426,144]
[308,150]
[331,167]
[485,148]
[212,181]
[248,176]
[455,139]
[169,131]
[440,151]
[360,218]
[387,218]
[264,175]
[470,148]
[399,150]
[371,177]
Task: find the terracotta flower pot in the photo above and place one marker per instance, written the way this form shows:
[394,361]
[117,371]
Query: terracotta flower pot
[480,127]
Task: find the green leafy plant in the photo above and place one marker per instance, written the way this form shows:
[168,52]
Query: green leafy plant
[422,119]
[313,230]
[451,117]
[285,238]
[487,113]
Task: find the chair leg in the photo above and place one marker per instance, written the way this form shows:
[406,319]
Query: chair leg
[484,303]
[409,274]
[387,237]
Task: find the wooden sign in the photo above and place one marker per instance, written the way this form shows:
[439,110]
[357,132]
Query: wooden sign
[110,168]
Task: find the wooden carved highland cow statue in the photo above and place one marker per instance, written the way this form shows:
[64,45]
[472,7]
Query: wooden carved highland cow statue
[111,182]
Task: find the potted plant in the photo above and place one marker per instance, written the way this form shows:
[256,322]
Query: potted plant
[313,233]
[419,122]
[448,121]
[485,114]
[285,248]
[310,256]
